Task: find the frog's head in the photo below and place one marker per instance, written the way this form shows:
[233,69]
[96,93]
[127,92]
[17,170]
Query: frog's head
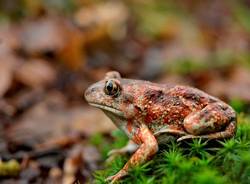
[113,95]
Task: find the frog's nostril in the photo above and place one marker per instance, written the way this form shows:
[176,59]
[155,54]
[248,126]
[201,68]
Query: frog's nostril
[89,91]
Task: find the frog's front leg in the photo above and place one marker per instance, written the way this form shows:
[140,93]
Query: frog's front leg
[148,147]
[215,121]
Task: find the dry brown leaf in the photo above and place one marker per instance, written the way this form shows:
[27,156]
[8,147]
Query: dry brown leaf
[103,19]
[8,62]
[73,53]
[9,36]
[36,73]
[26,99]
[235,86]
[55,174]
[72,164]
[54,36]
[43,35]
[239,84]
[5,77]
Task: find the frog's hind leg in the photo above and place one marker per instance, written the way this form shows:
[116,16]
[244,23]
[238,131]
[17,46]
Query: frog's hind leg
[215,121]
[227,133]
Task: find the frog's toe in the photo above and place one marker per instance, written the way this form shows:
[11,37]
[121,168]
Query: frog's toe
[109,179]
[187,137]
[116,177]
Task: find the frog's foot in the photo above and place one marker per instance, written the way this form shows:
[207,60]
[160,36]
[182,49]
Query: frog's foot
[171,131]
[188,137]
[227,133]
[116,177]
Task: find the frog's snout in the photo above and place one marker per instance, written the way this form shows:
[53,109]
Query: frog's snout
[94,93]
[88,93]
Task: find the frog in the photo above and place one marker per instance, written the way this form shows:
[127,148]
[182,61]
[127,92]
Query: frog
[145,111]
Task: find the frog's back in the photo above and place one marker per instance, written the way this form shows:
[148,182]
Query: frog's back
[166,106]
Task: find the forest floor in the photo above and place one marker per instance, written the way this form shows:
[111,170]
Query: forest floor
[50,52]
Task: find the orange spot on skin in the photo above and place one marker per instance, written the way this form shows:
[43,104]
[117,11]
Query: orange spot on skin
[137,137]
[129,126]
[148,119]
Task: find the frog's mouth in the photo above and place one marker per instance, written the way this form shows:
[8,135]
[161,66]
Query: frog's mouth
[109,109]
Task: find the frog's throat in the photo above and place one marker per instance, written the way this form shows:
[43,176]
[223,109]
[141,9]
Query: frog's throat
[109,109]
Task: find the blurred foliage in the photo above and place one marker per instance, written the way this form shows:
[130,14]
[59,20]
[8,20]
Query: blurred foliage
[238,105]
[241,12]
[10,168]
[158,16]
[18,9]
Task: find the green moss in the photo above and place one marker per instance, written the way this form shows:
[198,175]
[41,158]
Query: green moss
[241,13]
[153,17]
[186,66]
[196,161]
[238,105]
[104,144]
[120,139]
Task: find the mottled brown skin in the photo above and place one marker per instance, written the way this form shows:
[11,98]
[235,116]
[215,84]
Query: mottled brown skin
[145,111]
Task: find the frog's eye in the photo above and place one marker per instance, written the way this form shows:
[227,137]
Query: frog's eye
[112,88]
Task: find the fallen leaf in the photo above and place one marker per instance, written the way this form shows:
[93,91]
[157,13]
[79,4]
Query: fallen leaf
[55,174]
[9,36]
[103,19]
[72,164]
[72,53]
[42,36]
[237,85]
[36,73]
[5,77]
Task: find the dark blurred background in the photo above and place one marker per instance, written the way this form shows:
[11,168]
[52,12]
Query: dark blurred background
[51,51]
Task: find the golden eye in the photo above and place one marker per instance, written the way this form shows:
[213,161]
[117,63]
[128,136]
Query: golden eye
[111,88]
